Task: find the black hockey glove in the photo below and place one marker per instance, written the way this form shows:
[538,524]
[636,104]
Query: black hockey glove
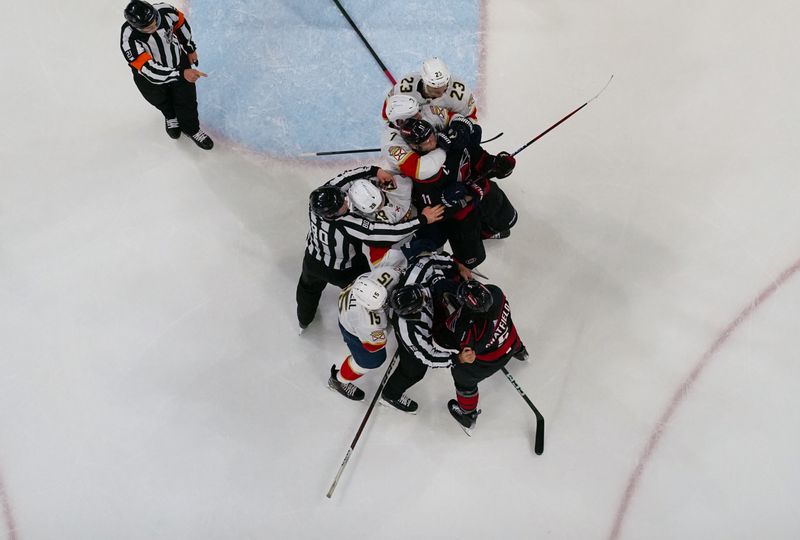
[475,131]
[503,165]
[460,120]
[453,195]
[457,137]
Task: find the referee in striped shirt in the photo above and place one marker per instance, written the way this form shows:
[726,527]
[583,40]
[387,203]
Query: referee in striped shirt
[157,42]
[414,307]
[336,239]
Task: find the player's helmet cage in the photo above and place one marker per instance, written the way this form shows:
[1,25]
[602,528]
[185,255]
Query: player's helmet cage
[141,14]
[474,296]
[407,300]
[369,293]
[365,196]
[416,131]
[435,73]
[326,201]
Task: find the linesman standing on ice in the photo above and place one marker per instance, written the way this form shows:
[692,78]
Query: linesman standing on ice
[157,42]
[334,245]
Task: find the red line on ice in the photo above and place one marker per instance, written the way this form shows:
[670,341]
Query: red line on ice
[683,390]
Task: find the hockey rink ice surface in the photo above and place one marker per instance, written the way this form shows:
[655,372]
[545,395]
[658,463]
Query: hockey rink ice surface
[153,384]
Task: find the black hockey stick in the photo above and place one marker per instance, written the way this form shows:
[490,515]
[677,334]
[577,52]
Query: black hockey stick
[551,128]
[545,132]
[372,52]
[538,445]
[361,150]
[361,427]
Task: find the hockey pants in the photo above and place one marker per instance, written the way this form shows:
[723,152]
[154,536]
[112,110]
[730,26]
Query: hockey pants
[494,214]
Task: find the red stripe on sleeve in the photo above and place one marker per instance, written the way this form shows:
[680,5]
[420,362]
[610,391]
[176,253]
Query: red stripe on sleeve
[181,20]
[141,60]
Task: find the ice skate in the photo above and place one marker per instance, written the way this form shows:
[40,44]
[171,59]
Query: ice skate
[202,140]
[172,127]
[348,390]
[467,420]
[403,403]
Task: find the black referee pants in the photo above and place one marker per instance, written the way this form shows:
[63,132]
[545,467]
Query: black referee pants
[409,372]
[313,279]
[175,100]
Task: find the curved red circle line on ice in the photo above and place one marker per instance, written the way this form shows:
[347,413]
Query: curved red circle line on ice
[681,392]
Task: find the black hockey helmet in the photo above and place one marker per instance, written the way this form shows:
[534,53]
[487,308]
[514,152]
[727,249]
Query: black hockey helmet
[325,201]
[141,14]
[407,300]
[474,296]
[416,131]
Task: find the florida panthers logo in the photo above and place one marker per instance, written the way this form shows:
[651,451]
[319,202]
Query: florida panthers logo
[397,152]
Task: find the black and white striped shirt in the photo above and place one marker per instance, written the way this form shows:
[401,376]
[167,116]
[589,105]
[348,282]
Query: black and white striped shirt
[157,56]
[338,241]
[414,333]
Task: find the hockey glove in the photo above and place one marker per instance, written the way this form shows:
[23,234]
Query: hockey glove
[457,137]
[477,191]
[503,165]
[475,131]
[453,196]
[460,120]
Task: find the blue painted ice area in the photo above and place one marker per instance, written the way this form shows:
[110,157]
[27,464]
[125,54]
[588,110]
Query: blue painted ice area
[287,77]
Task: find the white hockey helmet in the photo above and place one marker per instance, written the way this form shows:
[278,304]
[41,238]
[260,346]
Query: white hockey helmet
[435,73]
[365,196]
[401,107]
[369,293]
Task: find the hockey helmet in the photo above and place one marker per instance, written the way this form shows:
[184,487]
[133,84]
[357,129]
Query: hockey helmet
[141,14]
[474,296]
[435,73]
[369,293]
[401,107]
[407,300]
[326,201]
[365,196]
[416,131]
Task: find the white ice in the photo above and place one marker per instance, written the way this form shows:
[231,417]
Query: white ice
[153,385]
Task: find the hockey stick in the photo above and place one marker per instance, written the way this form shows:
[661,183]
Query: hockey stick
[538,445]
[363,423]
[482,276]
[359,151]
[551,128]
[372,52]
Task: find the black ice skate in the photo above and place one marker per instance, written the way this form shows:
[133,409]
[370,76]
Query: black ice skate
[466,419]
[202,140]
[172,127]
[348,390]
[522,354]
[403,403]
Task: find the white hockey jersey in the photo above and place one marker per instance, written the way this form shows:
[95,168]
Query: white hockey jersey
[457,98]
[368,326]
[399,158]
